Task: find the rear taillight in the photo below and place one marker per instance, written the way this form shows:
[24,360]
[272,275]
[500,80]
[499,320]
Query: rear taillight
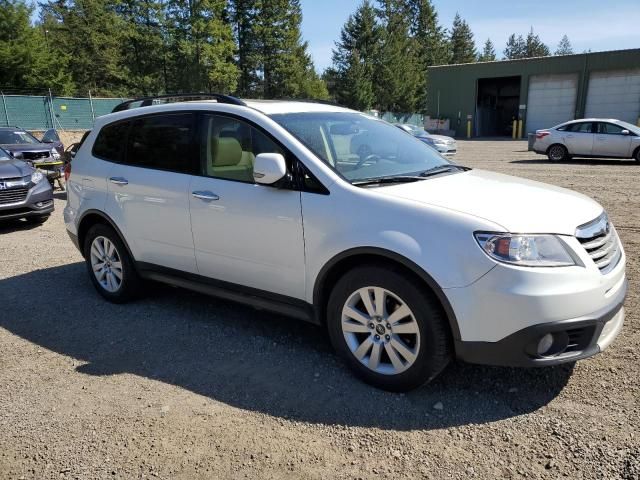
[540,135]
[67,171]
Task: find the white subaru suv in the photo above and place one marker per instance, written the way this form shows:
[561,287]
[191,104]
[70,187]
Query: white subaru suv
[407,259]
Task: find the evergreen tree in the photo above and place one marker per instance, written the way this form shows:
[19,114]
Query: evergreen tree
[352,73]
[285,66]
[26,59]
[201,46]
[91,33]
[245,17]
[431,39]
[535,47]
[516,47]
[488,52]
[144,22]
[463,47]
[399,79]
[564,47]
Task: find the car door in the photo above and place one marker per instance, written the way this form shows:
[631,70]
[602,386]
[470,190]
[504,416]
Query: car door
[244,233]
[610,141]
[578,138]
[148,190]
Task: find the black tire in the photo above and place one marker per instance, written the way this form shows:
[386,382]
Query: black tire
[434,352]
[131,283]
[636,155]
[37,220]
[557,153]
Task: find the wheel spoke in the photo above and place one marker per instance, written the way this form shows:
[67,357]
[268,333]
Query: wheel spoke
[403,350]
[408,327]
[374,358]
[365,295]
[354,327]
[356,315]
[95,252]
[401,312]
[98,266]
[109,247]
[363,348]
[393,356]
[117,273]
[101,274]
[380,305]
[99,247]
[116,265]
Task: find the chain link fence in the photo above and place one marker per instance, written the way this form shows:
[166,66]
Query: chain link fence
[41,112]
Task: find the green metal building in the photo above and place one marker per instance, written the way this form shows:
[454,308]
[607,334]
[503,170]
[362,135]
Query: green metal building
[541,92]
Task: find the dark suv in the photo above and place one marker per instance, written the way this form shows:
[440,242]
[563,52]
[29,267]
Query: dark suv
[24,191]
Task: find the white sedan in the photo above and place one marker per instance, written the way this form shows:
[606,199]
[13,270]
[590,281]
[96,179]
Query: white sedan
[589,137]
[443,144]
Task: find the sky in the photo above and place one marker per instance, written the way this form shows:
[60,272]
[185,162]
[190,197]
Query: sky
[594,25]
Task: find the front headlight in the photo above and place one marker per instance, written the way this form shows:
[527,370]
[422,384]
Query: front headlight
[55,154]
[36,177]
[526,250]
[440,142]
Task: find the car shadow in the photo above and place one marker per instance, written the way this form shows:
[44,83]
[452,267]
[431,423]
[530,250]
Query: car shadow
[250,359]
[14,225]
[60,194]
[579,161]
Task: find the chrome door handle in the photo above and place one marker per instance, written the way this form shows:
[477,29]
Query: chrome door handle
[205,195]
[119,180]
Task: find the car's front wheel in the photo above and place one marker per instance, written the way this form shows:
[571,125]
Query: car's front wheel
[109,264]
[390,331]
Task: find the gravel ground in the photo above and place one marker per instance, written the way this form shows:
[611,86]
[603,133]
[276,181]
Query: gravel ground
[179,385]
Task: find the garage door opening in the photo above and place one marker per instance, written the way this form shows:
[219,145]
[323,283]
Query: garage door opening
[497,107]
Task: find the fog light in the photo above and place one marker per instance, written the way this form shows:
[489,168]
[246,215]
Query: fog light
[39,204]
[545,344]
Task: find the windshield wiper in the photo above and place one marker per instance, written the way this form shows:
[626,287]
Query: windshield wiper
[443,169]
[387,180]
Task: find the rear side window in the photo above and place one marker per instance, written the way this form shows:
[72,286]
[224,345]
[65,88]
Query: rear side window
[580,127]
[110,142]
[163,142]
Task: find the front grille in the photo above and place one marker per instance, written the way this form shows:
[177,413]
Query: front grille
[601,242]
[35,155]
[13,195]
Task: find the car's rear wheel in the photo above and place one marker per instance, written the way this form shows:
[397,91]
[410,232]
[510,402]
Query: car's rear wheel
[109,264]
[557,153]
[637,155]
[391,332]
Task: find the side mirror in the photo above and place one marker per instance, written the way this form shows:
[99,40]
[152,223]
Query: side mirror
[625,132]
[268,168]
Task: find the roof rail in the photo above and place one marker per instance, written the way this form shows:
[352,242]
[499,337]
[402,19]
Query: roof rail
[176,97]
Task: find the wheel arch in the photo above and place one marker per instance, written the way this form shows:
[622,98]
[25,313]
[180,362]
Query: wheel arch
[557,143]
[351,258]
[93,217]
[635,152]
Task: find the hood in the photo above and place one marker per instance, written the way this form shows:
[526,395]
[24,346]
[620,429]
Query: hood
[28,147]
[518,205]
[14,168]
[442,137]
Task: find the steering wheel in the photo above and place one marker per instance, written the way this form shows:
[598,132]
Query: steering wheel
[369,158]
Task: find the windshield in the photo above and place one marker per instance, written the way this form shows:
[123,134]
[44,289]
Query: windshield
[13,137]
[360,147]
[4,155]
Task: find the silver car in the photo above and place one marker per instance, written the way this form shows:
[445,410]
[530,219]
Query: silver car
[589,137]
[443,144]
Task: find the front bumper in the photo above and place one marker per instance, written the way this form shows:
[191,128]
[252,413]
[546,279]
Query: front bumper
[38,202]
[576,339]
[448,149]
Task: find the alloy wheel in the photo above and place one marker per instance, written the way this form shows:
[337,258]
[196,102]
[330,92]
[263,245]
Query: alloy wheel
[556,153]
[380,330]
[106,264]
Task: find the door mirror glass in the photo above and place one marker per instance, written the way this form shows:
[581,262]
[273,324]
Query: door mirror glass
[50,136]
[625,132]
[269,168]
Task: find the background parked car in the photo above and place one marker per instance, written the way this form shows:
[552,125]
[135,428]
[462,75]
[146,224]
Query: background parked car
[589,137]
[445,145]
[45,154]
[24,192]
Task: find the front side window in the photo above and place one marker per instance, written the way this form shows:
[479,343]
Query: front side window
[609,129]
[109,144]
[228,148]
[162,142]
[16,137]
[360,147]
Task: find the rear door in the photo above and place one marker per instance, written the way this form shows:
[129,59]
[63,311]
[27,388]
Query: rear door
[148,193]
[610,141]
[578,138]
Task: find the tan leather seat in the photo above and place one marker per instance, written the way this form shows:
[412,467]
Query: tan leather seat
[228,160]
